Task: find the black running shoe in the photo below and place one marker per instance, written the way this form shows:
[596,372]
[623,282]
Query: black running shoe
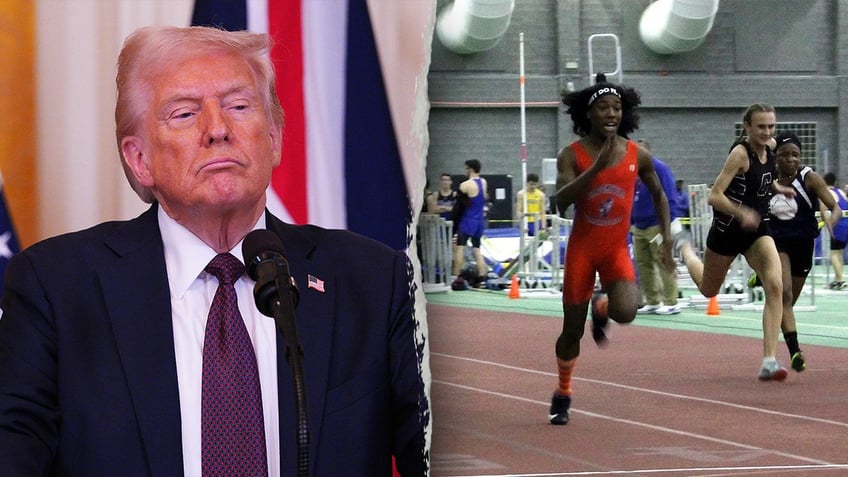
[459,284]
[558,414]
[797,362]
[600,318]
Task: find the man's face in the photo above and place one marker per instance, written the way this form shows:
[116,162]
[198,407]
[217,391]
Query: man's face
[206,142]
[605,115]
[445,182]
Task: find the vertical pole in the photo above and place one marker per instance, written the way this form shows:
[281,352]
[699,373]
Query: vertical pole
[522,225]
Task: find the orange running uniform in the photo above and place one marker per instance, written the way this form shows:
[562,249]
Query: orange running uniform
[598,240]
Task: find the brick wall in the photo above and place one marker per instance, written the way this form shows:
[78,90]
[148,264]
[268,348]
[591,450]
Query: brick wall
[755,52]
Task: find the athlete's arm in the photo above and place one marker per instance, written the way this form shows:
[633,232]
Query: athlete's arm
[736,162]
[570,186]
[816,185]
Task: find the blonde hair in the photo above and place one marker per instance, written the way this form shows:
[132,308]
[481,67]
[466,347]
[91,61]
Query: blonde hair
[148,50]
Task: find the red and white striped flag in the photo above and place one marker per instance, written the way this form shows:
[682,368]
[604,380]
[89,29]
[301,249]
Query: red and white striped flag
[349,77]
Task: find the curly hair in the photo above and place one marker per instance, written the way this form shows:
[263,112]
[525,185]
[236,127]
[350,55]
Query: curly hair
[580,102]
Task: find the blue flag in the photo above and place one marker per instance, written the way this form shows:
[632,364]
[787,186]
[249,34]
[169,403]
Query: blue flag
[8,240]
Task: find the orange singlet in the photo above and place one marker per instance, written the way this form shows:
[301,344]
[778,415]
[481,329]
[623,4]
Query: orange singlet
[598,240]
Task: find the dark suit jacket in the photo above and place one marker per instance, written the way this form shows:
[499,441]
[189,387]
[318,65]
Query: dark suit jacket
[88,382]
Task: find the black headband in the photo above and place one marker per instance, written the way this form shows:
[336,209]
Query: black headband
[602,90]
[787,138]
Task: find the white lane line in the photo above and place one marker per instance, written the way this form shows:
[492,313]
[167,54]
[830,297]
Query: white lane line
[651,391]
[745,469]
[642,424]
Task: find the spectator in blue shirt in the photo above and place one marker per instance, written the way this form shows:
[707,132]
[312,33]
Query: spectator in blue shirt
[658,285]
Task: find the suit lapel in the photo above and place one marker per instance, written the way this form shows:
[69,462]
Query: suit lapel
[137,294]
[135,287]
[315,331]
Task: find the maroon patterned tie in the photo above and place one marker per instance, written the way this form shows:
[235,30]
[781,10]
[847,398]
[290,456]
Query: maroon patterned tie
[232,425]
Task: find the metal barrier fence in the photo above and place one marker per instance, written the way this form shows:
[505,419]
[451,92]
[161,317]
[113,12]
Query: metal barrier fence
[701,215]
[539,263]
[435,235]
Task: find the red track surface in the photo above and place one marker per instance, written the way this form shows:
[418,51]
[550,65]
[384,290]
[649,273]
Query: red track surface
[653,402]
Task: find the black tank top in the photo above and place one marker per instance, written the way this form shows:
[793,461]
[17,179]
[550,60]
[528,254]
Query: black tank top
[445,200]
[753,188]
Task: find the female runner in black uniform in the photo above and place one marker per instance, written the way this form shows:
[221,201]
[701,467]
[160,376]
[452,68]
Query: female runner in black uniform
[795,230]
[740,197]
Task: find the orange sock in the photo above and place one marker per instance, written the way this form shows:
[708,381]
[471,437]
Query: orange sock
[565,369]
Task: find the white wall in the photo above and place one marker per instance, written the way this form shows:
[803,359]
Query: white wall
[80,178]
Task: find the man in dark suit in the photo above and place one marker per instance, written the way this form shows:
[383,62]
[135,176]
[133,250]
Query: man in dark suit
[102,332]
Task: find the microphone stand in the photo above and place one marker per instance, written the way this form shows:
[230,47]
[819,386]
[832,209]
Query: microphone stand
[284,319]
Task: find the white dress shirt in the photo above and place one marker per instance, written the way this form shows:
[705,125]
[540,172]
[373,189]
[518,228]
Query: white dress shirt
[192,290]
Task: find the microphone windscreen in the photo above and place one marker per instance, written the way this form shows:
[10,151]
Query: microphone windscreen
[259,244]
[259,241]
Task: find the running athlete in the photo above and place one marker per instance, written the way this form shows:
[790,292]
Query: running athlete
[795,229]
[740,199]
[598,173]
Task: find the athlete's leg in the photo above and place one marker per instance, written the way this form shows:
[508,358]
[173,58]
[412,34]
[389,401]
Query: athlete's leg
[790,332]
[787,322]
[623,300]
[708,274]
[762,256]
[796,262]
[619,282]
[837,259]
[579,281]
[573,326]
[482,266]
[567,351]
[459,253]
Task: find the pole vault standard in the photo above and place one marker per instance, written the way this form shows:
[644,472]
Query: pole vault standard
[522,224]
[528,258]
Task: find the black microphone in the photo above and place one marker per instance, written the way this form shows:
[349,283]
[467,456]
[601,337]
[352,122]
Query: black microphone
[266,262]
[276,296]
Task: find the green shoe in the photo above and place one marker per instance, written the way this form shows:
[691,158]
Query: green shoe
[754,281]
[797,362]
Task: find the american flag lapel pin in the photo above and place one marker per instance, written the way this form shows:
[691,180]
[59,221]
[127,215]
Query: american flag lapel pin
[315,283]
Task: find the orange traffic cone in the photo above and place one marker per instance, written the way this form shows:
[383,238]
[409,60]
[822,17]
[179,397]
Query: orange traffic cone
[712,307]
[513,288]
